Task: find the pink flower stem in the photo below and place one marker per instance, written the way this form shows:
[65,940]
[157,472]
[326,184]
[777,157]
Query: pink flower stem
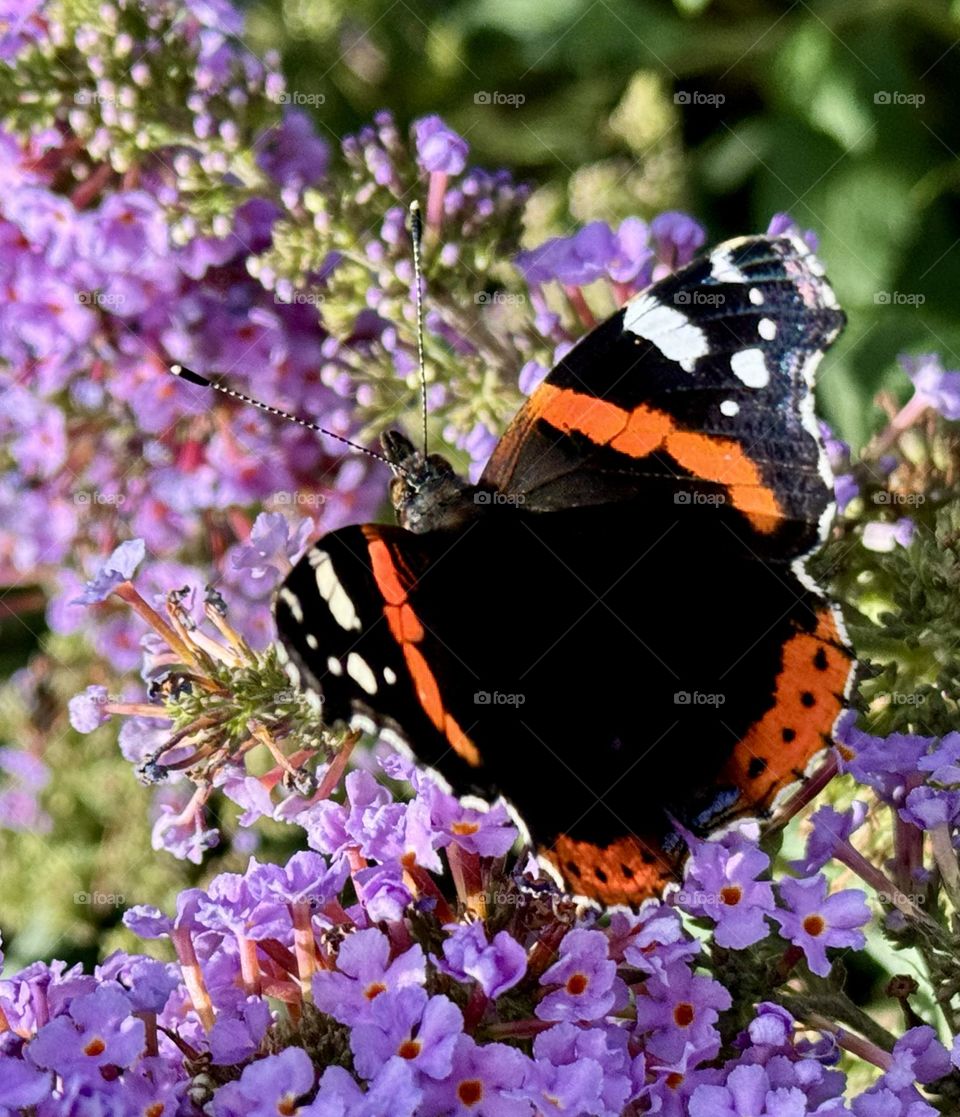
[304,945]
[193,976]
[249,965]
[436,192]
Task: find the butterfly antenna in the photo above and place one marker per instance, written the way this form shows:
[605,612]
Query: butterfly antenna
[416,234]
[192,377]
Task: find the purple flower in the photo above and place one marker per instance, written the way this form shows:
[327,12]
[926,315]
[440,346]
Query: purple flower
[495,966]
[365,971]
[292,154]
[677,238]
[918,1056]
[587,978]
[439,148]
[748,1092]
[829,829]
[487,832]
[721,885]
[938,388]
[883,537]
[679,1009]
[268,1086]
[816,921]
[235,1038]
[568,1045]
[409,1024]
[482,1082]
[393,1091]
[22,1085]
[87,711]
[119,567]
[97,1032]
[845,490]
[654,942]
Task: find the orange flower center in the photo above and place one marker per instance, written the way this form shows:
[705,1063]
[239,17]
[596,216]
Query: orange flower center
[465,827]
[470,1091]
[155,1110]
[374,989]
[577,984]
[409,1049]
[731,895]
[95,1047]
[846,752]
[674,1080]
[683,1014]
[814,925]
[287,1106]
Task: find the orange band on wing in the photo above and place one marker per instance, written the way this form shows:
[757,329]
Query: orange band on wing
[644,430]
[407,629]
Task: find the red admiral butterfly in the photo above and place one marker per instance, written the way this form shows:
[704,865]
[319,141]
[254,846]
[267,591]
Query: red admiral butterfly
[613,628]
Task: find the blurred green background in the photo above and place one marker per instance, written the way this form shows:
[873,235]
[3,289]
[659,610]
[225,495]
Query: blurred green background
[843,114]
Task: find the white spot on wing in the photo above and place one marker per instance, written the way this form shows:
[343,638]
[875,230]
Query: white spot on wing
[359,670]
[671,331]
[389,675]
[312,642]
[767,329]
[334,666]
[730,407]
[756,296]
[292,602]
[750,366]
[331,590]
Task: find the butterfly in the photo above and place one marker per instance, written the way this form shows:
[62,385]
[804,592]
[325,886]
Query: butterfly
[613,628]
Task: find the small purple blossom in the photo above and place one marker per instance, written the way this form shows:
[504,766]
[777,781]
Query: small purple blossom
[87,709]
[721,885]
[587,978]
[439,148]
[496,966]
[268,1086]
[364,972]
[814,921]
[934,385]
[119,567]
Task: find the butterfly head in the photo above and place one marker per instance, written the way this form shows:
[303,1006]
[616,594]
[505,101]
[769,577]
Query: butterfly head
[426,492]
